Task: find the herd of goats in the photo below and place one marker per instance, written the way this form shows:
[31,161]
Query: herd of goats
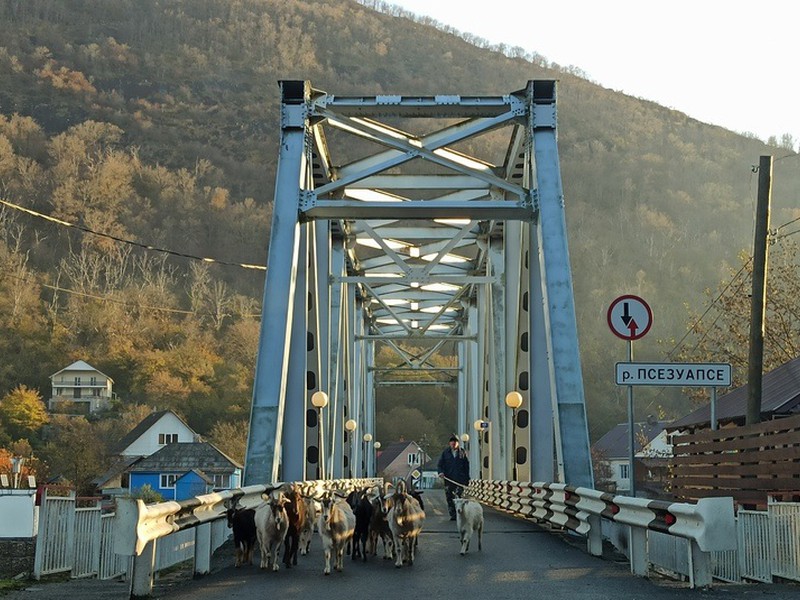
[353,523]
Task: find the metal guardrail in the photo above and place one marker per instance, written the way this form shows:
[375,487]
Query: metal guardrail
[139,526]
[709,526]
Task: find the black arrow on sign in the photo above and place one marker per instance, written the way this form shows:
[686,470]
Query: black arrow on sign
[626,313]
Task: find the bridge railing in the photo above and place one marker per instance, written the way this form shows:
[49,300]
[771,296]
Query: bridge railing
[709,525]
[139,526]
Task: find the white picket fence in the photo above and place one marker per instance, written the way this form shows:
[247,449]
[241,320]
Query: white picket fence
[80,541]
[768,547]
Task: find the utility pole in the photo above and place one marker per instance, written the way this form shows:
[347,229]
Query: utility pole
[758,300]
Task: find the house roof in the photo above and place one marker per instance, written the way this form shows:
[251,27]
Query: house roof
[119,467]
[780,396]
[80,365]
[185,456]
[614,444]
[145,424]
[391,452]
[197,472]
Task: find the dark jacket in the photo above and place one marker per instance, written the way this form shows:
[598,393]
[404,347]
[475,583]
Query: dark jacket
[454,467]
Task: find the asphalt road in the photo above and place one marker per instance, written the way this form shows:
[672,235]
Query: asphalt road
[519,560]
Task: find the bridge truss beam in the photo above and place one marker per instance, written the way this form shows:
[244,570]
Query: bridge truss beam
[402,225]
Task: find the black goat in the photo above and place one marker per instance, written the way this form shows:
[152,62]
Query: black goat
[362,509]
[242,522]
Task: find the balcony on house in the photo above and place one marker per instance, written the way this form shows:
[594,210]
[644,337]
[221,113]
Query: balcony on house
[80,389]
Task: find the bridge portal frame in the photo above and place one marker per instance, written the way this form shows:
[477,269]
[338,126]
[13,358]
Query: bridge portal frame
[418,253]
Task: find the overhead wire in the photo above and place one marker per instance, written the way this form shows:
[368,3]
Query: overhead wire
[55,288]
[774,237]
[72,292]
[126,241]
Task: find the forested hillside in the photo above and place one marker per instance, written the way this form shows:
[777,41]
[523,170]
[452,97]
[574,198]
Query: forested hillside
[156,121]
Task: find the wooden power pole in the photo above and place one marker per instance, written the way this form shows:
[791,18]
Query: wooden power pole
[755,364]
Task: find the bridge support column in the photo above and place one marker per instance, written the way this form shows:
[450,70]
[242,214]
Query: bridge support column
[335,424]
[518,343]
[473,369]
[497,366]
[316,348]
[569,410]
[292,455]
[272,363]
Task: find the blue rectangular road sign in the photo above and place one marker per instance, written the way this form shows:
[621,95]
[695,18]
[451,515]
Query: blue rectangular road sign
[677,374]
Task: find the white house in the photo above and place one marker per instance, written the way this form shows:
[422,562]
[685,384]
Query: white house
[80,389]
[400,460]
[154,432]
[651,449]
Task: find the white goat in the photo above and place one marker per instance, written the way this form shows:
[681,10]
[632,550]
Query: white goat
[469,518]
[313,508]
[405,517]
[336,524]
[272,523]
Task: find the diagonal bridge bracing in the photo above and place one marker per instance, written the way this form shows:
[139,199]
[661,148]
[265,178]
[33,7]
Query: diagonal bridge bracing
[420,223]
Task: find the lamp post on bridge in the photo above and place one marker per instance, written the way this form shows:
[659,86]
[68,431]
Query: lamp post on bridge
[367,437]
[514,401]
[350,426]
[320,400]
[480,426]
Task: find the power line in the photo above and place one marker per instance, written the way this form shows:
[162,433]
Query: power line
[130,242]
[57,288]
[708,308]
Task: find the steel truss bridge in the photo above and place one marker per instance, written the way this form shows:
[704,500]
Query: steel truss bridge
[432,225]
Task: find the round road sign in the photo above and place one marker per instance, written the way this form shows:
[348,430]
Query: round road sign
[630,317]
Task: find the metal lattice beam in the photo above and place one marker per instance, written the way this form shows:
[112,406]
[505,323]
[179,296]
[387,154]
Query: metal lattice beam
[424,228]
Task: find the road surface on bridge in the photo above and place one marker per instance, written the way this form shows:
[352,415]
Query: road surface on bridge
[519,560]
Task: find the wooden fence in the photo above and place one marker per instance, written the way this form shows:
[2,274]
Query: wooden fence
[751,463]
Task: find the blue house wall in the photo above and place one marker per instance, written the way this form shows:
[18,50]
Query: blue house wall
[190,485]
[154,481]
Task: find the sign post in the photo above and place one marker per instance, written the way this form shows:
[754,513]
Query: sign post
[630,318]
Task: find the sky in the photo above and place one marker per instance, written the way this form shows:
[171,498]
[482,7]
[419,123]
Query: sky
[725,62]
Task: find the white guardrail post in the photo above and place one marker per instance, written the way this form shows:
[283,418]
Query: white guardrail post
[138,526]
[708,525]
[143,571]
[202,550]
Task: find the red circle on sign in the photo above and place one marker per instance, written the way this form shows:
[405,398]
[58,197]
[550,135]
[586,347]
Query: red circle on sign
[619,328]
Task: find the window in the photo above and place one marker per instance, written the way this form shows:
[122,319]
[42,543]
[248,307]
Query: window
[623,472]
[77,381]
[413,459]
[92,380]
[167,438]
[221,481]
[168,480]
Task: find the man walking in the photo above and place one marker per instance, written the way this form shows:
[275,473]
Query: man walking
[454,468]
